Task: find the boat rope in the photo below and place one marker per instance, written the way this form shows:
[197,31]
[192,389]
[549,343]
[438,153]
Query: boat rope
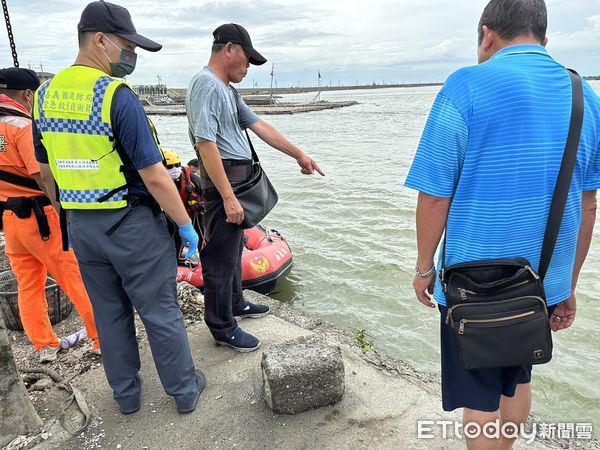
[11,38]
[268,237]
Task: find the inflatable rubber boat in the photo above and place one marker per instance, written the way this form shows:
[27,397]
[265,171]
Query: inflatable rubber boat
[266,260]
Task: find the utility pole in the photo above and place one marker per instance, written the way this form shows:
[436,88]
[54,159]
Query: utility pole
[271,101]
[317,97]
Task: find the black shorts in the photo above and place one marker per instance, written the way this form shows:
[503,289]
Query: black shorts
[478,389]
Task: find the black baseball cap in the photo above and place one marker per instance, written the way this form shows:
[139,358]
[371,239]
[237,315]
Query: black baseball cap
[18,79]
[110,18]
[237,34]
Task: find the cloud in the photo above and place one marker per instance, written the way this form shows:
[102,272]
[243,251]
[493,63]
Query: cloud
[347,40]
[578,40]
[578,49]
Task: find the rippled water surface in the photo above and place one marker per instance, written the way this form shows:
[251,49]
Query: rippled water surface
[353,238]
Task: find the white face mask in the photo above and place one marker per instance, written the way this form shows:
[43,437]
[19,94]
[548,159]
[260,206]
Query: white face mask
[174,172]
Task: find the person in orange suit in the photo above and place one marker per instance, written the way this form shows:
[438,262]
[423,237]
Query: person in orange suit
[31,224]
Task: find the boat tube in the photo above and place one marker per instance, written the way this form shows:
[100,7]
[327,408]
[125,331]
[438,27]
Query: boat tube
[266,260]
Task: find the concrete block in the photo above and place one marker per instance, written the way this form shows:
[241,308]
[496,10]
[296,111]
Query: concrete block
[302,374]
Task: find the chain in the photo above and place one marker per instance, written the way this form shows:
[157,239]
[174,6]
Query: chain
[11,38]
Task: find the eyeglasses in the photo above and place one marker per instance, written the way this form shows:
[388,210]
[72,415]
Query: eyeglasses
[170,166]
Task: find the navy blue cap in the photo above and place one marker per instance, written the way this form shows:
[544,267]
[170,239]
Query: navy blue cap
[18,79]
[110,18]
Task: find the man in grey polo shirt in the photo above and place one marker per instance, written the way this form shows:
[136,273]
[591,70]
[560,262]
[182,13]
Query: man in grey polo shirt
[217,116]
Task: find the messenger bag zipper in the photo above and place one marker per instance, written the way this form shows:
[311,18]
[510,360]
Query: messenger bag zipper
[533,272]
[463,322]
[450,313]
[463,292]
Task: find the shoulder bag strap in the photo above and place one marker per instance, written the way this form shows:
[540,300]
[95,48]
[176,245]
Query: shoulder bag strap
[237,97]
[565,175]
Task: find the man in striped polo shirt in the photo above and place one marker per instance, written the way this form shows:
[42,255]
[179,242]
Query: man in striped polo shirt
[492,148]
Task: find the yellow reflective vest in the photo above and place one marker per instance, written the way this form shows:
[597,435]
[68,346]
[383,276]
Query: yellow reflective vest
[72,113]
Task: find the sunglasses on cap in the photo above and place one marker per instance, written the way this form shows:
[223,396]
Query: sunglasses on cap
[170,166]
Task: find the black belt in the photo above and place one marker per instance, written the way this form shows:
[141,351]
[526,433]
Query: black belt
[133,202]
[22,207]
[237,171]
[236,162]
[145,200]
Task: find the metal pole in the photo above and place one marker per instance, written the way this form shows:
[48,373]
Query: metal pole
[272,73]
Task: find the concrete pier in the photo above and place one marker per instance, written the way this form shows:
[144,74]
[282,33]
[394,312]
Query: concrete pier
[383,402]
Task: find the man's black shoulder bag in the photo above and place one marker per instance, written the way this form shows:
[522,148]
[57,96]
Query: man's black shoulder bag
[497,308]
[257,196]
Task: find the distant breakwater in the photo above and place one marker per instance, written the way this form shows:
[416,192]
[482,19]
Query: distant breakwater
[304,89]
[279,108]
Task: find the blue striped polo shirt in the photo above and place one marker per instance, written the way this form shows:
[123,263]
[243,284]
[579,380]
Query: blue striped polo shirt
[493,142]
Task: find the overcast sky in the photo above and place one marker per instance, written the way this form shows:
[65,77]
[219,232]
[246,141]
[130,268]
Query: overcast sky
[348,41]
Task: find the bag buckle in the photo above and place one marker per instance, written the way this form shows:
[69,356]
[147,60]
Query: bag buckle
[133,201]
[443,279]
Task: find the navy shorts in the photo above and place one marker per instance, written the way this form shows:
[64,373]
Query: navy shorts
[478,389]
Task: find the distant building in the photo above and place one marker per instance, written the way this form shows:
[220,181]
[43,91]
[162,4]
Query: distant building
[150,89]
[157,94]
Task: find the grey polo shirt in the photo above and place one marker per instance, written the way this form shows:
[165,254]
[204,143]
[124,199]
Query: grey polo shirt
[213,115]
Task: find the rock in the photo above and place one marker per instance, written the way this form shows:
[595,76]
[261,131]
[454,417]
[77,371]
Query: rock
[43,384]
[31,378]
[191,302]
[302,374]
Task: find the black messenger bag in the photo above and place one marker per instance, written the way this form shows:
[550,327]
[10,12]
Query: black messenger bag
[497,308]
[257,196]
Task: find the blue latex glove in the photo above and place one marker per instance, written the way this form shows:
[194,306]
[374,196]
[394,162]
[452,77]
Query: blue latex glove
[189,238]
